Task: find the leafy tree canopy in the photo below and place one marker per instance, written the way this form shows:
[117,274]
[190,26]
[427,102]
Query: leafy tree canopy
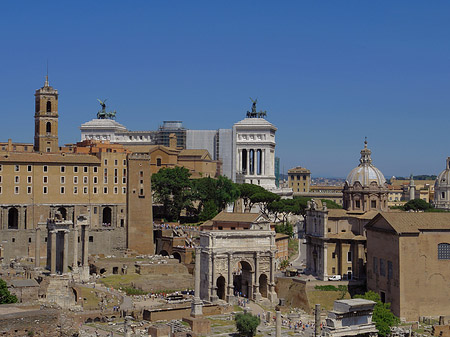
[248,190]
[5,295]
[171,188]
[246,324]
[382,315]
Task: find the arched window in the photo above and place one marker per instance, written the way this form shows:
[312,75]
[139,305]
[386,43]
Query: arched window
[48,127]
[443,251]
[49,106]
[158,161]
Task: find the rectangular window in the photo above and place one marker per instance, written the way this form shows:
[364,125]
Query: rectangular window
[95,180]
[1,167]
[62,190]
[85,169]
[75,169]
[91,239]
[333,270]
[95,190]
[29,179]
[17,179]
[124,190]
[1,190]
[63,180]
[45,190]
[75,180]
[28,189]
[443,251]
[105,180]
[333,255]
[124,180]
[141,174]
[75,190]
[45,179]
[85,190]
[105,190]
[106,162]
[349,256]
[16,190]
[357,204]
[16,168]
[141,192]
[95,169]
[63,169]
[105,171]
[124,172]
[95,210]
[45,168]
[116,180]
[373,203]
[116,162]
[116,190]
[29,168]
[124,162]
[382,267]
[390,270]
[115,172]
[1,179]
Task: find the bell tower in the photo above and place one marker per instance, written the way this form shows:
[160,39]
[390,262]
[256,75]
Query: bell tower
[46,119]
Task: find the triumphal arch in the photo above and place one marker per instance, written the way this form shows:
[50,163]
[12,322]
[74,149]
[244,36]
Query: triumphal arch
[238,262]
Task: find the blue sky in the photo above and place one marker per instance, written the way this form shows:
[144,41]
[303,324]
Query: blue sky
[328,73]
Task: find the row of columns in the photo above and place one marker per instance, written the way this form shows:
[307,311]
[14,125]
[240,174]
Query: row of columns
[55,252]
[254,292]
[240,166]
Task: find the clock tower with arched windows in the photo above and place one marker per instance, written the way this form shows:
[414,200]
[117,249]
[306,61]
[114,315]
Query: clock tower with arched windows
[46,119]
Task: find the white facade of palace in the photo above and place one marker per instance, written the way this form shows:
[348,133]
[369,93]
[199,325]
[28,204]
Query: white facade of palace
[109,129]
[254,152]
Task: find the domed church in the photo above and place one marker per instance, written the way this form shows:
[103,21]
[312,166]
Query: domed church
[442,188]
[365,188]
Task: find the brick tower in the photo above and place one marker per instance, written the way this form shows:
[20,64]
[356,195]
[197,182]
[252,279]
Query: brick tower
[46,119]
[139,204]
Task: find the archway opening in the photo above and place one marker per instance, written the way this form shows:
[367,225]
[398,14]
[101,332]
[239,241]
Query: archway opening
[177,256]
[221,287]
[244,161]
[242,280]
[164,253]
[107,216]
[63,212]
[48,127]
[115,270]
[263,285]
[13,218]
[49,106]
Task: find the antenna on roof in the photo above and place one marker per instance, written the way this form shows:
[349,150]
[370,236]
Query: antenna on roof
[46,77]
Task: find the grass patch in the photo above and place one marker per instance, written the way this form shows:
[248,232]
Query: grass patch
[117,281]
[331,288]
[91,300]
[133,291]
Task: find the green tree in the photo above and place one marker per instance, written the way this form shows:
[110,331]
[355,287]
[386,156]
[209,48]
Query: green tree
[246,324]
[209,211]
[214,192]
[416,205]
[5,295]
[382,314]
[264,199]
[285,228]
[246,191]
[172,188]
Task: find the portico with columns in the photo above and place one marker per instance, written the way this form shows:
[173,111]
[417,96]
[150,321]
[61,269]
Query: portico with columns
[254,151]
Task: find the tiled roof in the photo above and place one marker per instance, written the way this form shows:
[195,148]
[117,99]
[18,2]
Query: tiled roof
[413,222]
[236,217]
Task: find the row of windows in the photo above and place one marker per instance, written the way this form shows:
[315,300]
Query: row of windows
[298,177]
[63,180]
[382,270]
[62,169]
[62,190]
[349,256]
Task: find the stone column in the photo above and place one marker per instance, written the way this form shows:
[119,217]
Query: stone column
[263,162]
[317,320]
[37,248]
[272,294]
[75,248]
[53,252]
[278,324]
[256,293]
[230,279]
[248,161]
[240,161]
[85,246]
[197,303]
[66,252]
[213,294]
